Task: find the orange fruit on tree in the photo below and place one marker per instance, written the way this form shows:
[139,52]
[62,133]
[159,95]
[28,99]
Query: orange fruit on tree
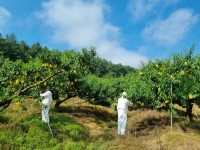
[74,71]
[17,81]
[166,101]
[157,66]
[141,73]
[185,63]
[190,96]
[182,72]
[45,64]
[38,82]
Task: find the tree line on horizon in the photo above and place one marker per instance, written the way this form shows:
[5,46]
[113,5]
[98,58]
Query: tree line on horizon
[20,50]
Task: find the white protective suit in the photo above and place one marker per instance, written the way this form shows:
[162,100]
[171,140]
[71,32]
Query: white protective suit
[122,108]
[46,102]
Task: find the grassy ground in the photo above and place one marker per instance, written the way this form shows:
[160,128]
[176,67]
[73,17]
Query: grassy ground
[79,125]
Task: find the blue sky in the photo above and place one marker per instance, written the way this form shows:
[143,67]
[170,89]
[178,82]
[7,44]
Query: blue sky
[123,31]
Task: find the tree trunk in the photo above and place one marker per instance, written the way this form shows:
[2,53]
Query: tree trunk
[57,104]
[189,111]
[5,104]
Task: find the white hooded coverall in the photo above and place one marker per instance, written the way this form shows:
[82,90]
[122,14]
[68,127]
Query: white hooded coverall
[46,102]
[122,108]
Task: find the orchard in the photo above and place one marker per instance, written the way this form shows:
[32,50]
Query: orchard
[60,71]
[158,84]
[163,83]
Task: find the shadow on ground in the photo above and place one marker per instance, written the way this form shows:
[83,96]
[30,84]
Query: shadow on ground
[89,112]
[147,125]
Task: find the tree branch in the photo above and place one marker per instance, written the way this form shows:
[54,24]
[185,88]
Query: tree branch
[35,84]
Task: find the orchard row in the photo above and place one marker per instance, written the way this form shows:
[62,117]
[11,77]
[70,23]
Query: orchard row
[157,84]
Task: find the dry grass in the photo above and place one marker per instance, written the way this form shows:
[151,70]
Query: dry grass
[179,140]
[146,129]
[95,117]
[150,130]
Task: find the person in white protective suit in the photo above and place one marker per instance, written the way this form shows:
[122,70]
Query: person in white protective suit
[46,102]
[122,109]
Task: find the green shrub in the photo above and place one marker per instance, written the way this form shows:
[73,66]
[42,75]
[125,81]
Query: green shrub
[36,138]
[76,132]
[8,139]
[31,133]
[75,145]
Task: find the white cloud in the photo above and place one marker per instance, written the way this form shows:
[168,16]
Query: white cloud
[4,18]
[171,30]
[81,23]
[112,51]
[140,9]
